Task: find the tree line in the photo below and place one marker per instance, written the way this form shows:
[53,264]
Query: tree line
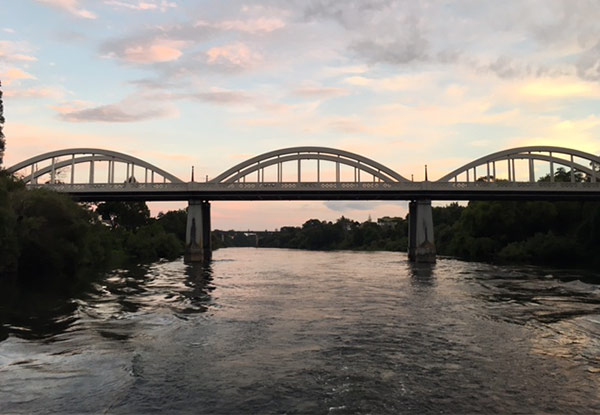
[537,232]
[550,233]
[45,235]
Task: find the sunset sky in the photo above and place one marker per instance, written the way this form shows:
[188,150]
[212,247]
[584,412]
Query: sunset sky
[212,83]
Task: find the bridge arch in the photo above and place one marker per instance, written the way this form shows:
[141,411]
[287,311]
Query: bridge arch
[53,161]
[278,157]
[549,154]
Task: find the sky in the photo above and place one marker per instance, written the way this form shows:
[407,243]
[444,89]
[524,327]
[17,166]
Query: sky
[210,83]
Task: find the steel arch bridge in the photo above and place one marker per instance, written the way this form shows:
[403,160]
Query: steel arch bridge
[93,175]
[504,178]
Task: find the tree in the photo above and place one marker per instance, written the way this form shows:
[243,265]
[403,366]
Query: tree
[2,141]
[563,175]
[127,215]
[174,222]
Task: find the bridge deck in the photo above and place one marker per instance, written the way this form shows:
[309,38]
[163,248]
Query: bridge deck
[330,191]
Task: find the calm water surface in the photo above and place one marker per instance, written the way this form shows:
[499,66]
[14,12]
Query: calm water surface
[281,331]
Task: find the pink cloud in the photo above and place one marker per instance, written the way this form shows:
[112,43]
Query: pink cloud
[70,6]
[68,107]
[319,92]
[233,55]
[159,51]
[15,74]
[13,51]
[135,107]
[142,5]
[25,141]
[254,26]
[35,93]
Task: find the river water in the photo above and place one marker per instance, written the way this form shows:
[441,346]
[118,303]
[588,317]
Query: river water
[283,331]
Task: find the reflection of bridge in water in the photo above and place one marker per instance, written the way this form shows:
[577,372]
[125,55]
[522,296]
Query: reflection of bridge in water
[317,173]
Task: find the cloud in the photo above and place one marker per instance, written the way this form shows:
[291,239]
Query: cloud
[132,109]
[381,31]
[577,133]
[222,97]
[112,113]
[163,6]
[319,92]
[348,13]
[537,38]
[196,45]
[36,138]
[348,125]
[149,52]
[253,26]
[70,36]
[233,56]
[213,95]
[336,71]
[15,74]
[393,83]
[588,64]
[70,6]
[409,46]
[43,92]
[13,52]
[553,92]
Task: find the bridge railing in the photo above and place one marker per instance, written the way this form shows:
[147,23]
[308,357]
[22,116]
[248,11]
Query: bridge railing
[320,186]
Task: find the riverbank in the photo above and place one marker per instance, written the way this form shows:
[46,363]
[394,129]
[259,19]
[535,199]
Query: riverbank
[45,237]
[565,234]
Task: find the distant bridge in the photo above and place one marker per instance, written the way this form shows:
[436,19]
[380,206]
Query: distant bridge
[90,174]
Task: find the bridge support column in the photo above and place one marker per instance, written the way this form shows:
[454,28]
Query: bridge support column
[421,245]
[197,236]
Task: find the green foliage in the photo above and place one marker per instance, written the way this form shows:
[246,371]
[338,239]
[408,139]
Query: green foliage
[174,222]
[2,141]
[550,233]
[562,175]
[151,242]
[128,215]
[558,233]
[343,234]
[9,247]
[45,236]
[51,229]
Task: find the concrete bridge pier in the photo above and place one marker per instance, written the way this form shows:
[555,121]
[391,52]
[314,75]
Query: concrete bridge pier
[197,237]
[421,244]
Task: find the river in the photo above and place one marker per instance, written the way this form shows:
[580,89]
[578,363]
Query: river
[285,331]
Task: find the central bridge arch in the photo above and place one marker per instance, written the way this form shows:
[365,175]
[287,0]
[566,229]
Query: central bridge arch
[278,157]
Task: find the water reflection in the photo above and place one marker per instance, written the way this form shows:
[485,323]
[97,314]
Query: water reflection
[521,296]
[199,279]
[422,274]
[37,313]
[312,333]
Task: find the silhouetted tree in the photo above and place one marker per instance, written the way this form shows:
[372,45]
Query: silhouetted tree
[563,175]
[2,141]
[128,215]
